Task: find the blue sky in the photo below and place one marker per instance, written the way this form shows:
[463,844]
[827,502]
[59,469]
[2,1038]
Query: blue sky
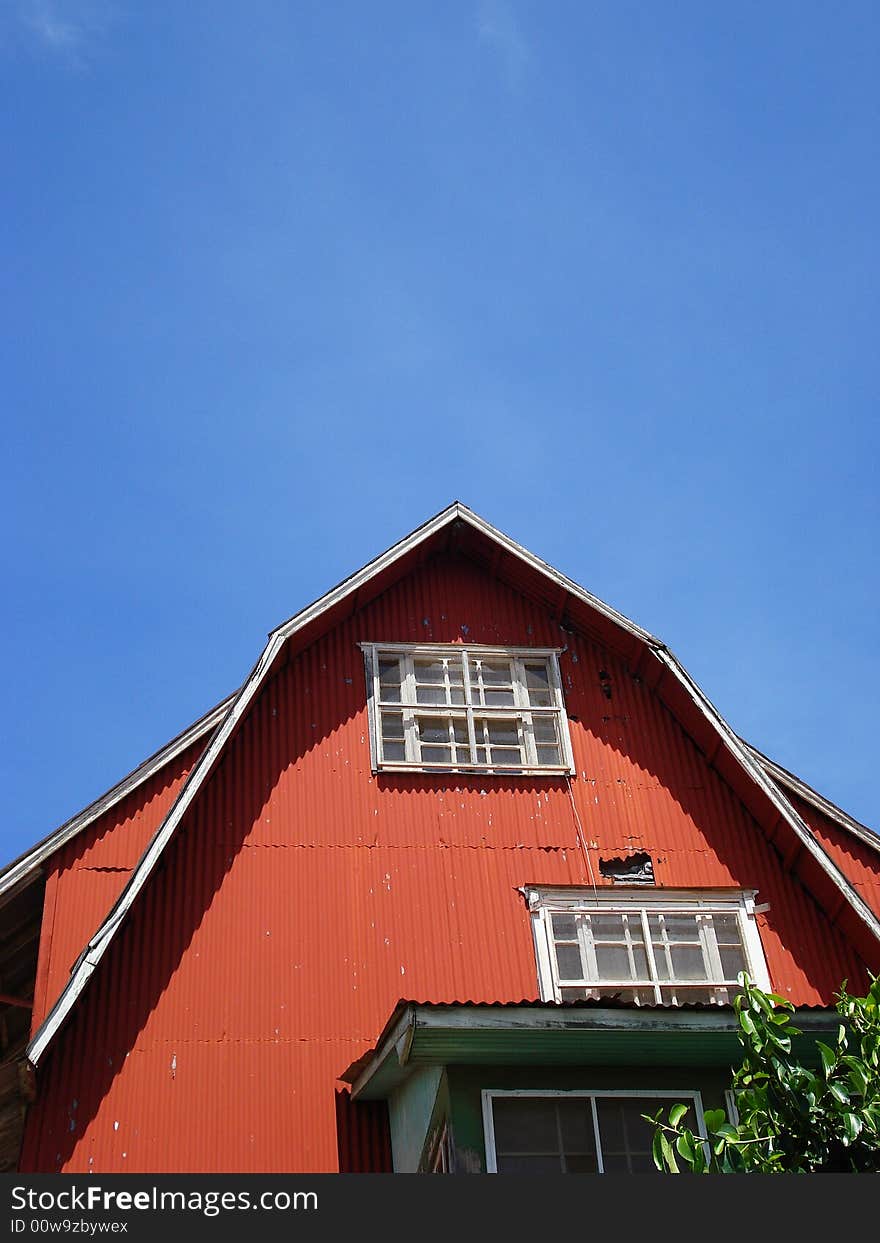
[283,279]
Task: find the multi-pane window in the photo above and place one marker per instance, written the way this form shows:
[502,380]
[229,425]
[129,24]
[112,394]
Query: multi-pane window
[663,949]
[457,707]
[575,1132]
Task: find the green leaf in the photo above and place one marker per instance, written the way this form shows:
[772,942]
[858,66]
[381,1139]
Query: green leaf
[852,1126]
[839,1092]
[676,1113]
[829,1057]
[685,1147]
[747,1023]
[858,1079]
[714,1118]
[657,1151]
[668,1154]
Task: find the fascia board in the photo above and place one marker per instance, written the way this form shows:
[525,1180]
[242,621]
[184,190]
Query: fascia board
[799,787]
[740,752]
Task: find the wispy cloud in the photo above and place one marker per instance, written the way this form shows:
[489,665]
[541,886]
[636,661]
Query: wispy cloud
[70,29]
[499,29]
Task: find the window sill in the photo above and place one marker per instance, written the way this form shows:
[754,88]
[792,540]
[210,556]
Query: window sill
[472,771]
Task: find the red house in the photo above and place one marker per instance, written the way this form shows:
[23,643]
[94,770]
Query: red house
[460,879]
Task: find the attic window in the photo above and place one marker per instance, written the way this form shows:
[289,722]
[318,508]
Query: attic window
[650,947]
[465,709]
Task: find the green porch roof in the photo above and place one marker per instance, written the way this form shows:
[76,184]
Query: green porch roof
[545,1034]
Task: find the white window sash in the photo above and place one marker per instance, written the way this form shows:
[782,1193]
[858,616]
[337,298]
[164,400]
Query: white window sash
[594,1095]
[543,904]
[473,711]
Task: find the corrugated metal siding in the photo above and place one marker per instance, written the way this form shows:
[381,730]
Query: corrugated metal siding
[858,862]
[303,896]
[87,875]
[364,1136]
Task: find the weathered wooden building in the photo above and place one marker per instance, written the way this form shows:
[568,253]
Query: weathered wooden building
[460,878]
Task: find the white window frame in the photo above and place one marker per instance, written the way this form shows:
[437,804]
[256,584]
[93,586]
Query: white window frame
[545,902]
[522,712]
[684,1095]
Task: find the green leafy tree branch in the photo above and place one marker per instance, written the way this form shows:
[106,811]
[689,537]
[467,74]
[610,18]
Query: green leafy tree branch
[790,1118]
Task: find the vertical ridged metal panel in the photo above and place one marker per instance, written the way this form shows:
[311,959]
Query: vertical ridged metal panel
[303,896]
[364,1136]
[86,876]
[859,862]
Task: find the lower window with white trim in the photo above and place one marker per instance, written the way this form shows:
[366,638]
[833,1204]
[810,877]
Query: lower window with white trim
[575,1132]
[655,947]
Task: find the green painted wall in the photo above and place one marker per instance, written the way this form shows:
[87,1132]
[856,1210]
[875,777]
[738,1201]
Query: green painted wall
[409,1112]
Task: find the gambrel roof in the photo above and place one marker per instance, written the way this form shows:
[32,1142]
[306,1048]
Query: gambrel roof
[762,786]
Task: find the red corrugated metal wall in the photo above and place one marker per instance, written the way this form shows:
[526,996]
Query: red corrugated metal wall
[85,877]
[858,861]
[303,896]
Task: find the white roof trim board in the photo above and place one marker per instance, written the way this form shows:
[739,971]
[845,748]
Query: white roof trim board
[797,786]
[28,865]
[238,705]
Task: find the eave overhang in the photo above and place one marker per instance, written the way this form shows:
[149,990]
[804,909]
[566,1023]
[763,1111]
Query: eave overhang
[573,1034]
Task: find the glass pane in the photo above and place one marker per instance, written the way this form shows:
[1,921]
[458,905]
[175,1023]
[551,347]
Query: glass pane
[641,996]
[436,755]
[640,962]
[726,929]
[460,730]
[429,671]
[496,673]
[624,1135]
[578,994]
[393,751]
[732,960]
[524,1124]
[528,1165]
[586,1164]
[576,1125]
[433,729]
[481,755]
[430,694]
[389,681]
[642,1163]
[687,963]
[565,927]
[506,757]
[683,994]
[607,927]
[502,733]
[456,694]
[538,686]
[661,961]
[545,728]
[612,962]
[392,725]
[548,755]
[498,698]
[568,961]
[678,927]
